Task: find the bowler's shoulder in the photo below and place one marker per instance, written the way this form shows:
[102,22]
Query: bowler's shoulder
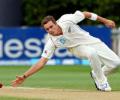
[65,18]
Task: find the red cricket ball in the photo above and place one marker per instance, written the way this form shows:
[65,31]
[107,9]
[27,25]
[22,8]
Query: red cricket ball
[1,85]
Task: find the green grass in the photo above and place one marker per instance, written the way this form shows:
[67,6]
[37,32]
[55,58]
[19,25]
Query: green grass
[15,98]
[63,77]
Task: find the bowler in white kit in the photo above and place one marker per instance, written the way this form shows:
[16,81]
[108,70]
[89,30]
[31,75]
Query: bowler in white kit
[66,33]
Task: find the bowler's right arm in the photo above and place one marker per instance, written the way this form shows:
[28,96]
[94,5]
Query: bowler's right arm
[46,55]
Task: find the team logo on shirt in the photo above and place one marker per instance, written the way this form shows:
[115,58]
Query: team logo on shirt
[62,40]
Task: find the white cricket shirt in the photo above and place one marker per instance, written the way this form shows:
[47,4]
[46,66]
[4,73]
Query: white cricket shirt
[72,36]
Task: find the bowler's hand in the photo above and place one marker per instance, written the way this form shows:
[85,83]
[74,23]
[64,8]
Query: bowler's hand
[110,23]
[18,81]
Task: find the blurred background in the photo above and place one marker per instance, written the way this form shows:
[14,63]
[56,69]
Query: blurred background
[22,38]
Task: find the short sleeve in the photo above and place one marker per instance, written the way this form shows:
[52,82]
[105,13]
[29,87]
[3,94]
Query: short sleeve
[76,17]
[48,49]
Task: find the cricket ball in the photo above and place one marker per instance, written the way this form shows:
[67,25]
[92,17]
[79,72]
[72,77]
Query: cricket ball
[1,85]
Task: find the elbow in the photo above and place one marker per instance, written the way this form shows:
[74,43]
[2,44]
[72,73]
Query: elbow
[87,14]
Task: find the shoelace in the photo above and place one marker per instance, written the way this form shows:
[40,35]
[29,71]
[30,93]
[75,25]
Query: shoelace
[105,85]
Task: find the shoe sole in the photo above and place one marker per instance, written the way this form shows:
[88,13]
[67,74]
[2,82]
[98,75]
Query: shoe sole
[94,81]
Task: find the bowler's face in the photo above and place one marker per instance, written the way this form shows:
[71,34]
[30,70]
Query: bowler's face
[52,28]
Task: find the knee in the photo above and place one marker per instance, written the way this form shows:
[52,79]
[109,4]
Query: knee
[117,64]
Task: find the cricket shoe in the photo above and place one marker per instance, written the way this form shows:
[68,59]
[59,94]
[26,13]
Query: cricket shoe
[100,86]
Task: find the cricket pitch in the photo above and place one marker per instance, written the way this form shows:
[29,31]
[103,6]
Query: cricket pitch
[58,94]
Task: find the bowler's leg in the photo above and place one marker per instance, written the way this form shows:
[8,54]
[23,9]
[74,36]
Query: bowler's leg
[110,60]
[91,55]
[108,69]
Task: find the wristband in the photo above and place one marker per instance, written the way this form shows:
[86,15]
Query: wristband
[93,16]
[24,76]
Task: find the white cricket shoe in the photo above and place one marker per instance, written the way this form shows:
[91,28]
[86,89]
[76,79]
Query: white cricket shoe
[100,86]
[104,87]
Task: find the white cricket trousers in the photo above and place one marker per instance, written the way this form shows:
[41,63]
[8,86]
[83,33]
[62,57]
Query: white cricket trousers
[99,55]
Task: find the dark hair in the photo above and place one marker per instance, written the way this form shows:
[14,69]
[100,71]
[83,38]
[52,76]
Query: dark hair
[47,19]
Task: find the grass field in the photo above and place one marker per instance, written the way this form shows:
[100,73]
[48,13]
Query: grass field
[56,77]
[15,98]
